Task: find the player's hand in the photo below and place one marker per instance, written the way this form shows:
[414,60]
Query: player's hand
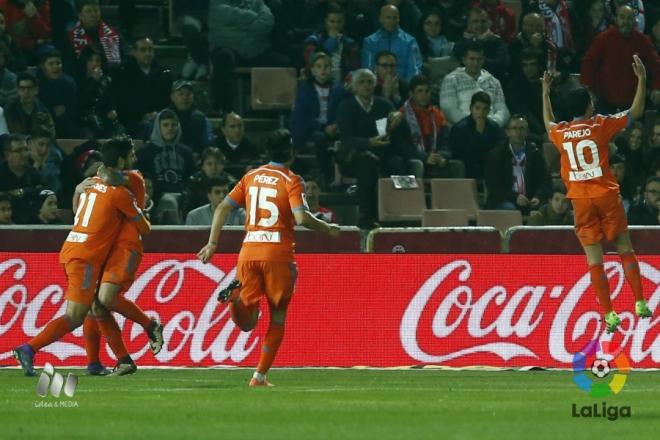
[206,252]
[546,81]
[638,67]
[334,230]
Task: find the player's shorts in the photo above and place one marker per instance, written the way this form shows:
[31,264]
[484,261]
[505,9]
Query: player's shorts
[121,267]
[275,279]
[82,278]
[598,218]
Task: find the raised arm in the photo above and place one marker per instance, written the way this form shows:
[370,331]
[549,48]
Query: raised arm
[548,116]
[637,107]
[306,219]
[219,218]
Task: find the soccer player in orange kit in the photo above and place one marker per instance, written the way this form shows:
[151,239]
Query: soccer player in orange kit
[583,144]
[273,197]
[97,222]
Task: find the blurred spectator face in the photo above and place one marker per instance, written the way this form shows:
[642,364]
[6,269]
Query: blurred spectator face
[655,138]
[531,69]
[27,92]
[652,194]
[619,171]
[635,139]
[144,52]
[5,212]
[17,155]
[93,64]
[421,95]
[559,203]
[389,18]
[432,26]
[516,131]
[334,23]
[217,195]
[478,22]
[48,211]
[90,16]
[312,192]
[234,130]
[52,67]
[625,20]
[479,111]
[365,86]
[38,149]
[183,99]
[597,11]
[321,70]
[532,24]
[212,167]
[168,129]
[473,62]
[386,66]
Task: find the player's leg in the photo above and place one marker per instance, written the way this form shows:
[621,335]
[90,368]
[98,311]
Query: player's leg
[631,269]
[244,301]
[92,337]
[111,330]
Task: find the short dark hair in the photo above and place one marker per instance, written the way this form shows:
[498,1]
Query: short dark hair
[167,114]
[212,152]
[15,137]
[652,179]
[216,181]
[334,9]
[116,148]
[532,54]
[517,116]
[578,102]
[480,96]
[418,80]
[558,187]
[473,46]
[26,76]
[49,52]
[40,132]
[384,53]
[280,146]
[139,37]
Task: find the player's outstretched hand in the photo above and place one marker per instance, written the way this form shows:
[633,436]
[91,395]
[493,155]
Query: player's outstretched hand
[547,80]
[638,67]
[206,252]
[334,230]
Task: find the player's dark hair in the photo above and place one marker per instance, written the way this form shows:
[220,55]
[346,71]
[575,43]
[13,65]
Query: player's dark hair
[578,101]
[280,146]
[116,148]
[216,181]
[482,97]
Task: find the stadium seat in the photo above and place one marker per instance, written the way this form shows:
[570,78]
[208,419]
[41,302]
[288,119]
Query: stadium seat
[455,194]
[273,88]
[444,217]
[400,205]
[499,219]
[437,68]
[551,158]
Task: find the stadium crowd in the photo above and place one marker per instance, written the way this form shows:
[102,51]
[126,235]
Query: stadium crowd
[432,88]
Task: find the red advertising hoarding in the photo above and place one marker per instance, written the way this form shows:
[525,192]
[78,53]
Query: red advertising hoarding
[351,310]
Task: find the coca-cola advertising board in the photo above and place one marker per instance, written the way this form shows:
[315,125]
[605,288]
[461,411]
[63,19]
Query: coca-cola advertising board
[352,310]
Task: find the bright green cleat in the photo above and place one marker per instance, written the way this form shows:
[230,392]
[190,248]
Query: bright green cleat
[612,321]
[642,310]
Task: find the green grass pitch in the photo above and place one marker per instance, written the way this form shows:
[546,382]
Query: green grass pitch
[325,404]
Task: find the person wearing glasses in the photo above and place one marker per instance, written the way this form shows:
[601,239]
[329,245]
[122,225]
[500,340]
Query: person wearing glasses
[18,179]
[647,211]
[389,84]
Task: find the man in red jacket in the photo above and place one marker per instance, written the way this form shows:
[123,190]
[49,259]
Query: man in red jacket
[606,66]
[28,23]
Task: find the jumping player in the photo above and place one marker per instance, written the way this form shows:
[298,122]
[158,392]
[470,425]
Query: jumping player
[273,199]
[583,144]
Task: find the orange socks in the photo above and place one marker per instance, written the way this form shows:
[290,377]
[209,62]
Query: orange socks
[631,269]
[92,336]
[601,286]
[53,332]
[272,343]
[131,311]
[112,334]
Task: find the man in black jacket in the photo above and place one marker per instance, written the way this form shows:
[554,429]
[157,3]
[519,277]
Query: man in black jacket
[517,176]
[647,212]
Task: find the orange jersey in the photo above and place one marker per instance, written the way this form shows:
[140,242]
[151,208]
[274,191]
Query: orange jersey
[584,149]
[269,194]
[129,235]
[100,212]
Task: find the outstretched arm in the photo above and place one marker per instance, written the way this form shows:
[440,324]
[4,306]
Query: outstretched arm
[548,115]
[637,107]
[306,219]
[219,218]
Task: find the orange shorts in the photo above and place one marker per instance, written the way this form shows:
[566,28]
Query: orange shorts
[598,218]
[275,279]
[81,281]
[121,266]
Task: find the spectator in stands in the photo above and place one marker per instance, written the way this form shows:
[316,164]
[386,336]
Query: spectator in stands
[98,107]
[344,52]
[17,178]
[556,212]
[502,18]
[314,115]
[312,196]
[44,208]
[196,130]
[143,87]
[46,158]
[494,48]
[28,23]
[217,190]
[90,30]
[431,36]
[459,86]
[594,20]
[191,21]
[409,13]
[636,5]
[430,155]
[474,136]
[454,14]
[653,153]
[27,112]
[647,211]
[234,145]
[373,142]
[626,185]
[391,37]
[15,60]
[8,90]
[389,84]
[59,93]
[170,162]
[523,93]
[212,167]
[606,66]
[532,35]
[5,209]
[630,146]
[559,18]
[655,33]
[238,36]
[517,176]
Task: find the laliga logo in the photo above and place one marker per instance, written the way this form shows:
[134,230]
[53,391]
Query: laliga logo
[600,368]
[57,383]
